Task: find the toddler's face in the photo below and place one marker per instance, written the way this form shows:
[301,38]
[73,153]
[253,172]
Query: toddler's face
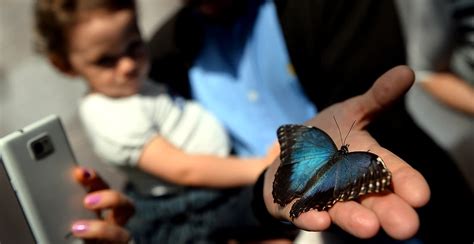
[106,49]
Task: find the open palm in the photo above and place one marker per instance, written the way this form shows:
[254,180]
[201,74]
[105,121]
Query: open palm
[393,211]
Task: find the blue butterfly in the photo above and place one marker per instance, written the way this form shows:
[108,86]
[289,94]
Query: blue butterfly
[319,175]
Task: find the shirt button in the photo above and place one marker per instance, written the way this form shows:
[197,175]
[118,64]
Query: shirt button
[252,96]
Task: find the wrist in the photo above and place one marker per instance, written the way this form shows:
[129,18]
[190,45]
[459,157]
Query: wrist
[259,207]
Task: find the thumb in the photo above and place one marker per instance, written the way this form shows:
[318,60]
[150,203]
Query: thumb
[89,179]
[387,89]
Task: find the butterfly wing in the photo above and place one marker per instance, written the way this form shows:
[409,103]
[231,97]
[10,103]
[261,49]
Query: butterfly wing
[346,176]
[304,151]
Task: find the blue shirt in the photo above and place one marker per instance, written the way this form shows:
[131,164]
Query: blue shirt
[243,75]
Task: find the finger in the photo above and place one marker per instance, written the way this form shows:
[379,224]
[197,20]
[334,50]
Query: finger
[121,207]
[90,179]
[397,218]
[100,230]
[312,220]
[395,211]
[392,85]
[407,182]
[387,89]
[355,219]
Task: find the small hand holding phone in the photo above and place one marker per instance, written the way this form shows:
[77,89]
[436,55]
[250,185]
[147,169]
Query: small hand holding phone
[39,162]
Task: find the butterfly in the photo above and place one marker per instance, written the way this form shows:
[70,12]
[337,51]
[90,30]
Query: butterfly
[316,173]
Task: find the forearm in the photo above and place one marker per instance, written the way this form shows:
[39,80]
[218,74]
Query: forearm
[219,172]
[169,163]
[452,91]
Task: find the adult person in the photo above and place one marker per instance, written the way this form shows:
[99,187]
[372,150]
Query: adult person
[335,49]
[393,212]
[174,154]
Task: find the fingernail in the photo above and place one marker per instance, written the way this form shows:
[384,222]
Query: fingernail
[92,200]
[80,227]
[86,174]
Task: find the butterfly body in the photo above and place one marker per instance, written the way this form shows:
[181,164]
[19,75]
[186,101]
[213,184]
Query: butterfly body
[317,174]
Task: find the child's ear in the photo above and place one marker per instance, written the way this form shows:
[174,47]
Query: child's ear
[61,64]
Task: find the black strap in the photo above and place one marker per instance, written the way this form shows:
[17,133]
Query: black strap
[260,210]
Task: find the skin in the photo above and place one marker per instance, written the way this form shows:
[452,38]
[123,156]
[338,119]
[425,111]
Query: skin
[393,211]
[106,49]
[451,90]
[114,206]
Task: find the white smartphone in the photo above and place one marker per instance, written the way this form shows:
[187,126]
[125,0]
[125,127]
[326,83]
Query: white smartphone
[13,225]
[39,163]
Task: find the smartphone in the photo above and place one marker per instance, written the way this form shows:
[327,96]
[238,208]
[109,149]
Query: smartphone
[39,163]
[13,225]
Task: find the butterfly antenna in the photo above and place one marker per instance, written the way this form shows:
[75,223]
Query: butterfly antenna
[338,128]
[352,126]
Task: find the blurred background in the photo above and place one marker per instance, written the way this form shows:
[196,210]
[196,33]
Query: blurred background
[31,89]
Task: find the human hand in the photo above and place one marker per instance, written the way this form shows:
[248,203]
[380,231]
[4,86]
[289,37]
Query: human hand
[394,210]
[114,208]
[452,90]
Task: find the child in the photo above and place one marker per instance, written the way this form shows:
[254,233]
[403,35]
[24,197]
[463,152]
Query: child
[171,150]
